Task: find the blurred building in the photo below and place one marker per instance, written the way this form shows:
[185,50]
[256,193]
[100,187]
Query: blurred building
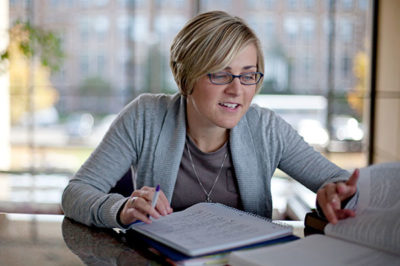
[113,47]
[295,38]
[123,45]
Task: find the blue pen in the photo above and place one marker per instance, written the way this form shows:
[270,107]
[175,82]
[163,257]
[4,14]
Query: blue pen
[155,196]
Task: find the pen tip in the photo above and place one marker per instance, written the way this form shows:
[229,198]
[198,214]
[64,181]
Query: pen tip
[157,187]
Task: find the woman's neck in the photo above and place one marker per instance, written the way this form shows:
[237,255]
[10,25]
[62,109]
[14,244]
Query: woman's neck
[207,136]
[208,140]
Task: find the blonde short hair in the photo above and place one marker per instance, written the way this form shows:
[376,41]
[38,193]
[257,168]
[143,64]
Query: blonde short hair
[207,44]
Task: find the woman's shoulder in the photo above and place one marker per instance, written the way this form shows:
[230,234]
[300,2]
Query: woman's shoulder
[263,117]
[257,112]
[150,103]
[155,98]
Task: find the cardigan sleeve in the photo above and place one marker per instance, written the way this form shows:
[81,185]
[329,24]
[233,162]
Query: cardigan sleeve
[300,161]
[85,198]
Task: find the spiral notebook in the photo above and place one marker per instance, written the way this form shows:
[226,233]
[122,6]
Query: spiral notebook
[207,228]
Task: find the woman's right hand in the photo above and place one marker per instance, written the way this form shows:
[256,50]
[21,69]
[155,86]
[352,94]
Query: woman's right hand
[138,206]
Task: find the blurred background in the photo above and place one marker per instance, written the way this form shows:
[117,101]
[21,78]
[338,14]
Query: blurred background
[69,66]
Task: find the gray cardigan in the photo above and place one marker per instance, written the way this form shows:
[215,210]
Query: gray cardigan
[149,134]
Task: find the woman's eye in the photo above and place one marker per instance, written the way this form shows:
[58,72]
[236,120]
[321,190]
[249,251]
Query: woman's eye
[249,77]
[220,76]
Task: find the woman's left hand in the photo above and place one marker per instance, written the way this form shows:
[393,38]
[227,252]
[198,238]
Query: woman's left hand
[330,197]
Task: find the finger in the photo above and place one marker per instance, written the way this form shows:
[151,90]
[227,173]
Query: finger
[163,207]
[138,215]
[326,206]
[160,201]
[348,188]
[353,178]
[144,207]
[143,193]
[131,201]
[127,215]
[332,196]
[345,213]
[147,195]
[344,191]
[163,204]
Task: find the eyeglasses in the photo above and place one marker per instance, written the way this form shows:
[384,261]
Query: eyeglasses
[222,78]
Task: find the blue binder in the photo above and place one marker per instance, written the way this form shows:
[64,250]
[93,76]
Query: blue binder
[176,256]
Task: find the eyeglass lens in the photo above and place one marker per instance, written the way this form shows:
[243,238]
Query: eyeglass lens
[226,77]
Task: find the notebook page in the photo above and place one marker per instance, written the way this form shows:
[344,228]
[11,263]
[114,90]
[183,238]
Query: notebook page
[208,227]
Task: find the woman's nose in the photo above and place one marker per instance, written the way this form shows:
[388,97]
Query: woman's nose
[234,87]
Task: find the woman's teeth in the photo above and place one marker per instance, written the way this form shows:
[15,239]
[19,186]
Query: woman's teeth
[229,105]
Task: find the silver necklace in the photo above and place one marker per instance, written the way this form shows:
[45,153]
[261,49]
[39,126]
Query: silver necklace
[208,194]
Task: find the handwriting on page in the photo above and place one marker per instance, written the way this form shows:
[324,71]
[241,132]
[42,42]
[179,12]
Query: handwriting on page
[202,226]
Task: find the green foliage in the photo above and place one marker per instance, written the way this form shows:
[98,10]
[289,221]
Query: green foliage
[4,55]
[35,41]
[96,87]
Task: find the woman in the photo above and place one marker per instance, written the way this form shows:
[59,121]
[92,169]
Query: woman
[205,143]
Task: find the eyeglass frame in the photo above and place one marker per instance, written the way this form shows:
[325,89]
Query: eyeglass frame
[236,76]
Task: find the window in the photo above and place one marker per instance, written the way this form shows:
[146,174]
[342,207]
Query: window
[269,28]
[69,3]
[208,5]
[101,65]
[122,26]
[138,28]
[84,3]
[277,72]
[55,3]
[169,3]
[308,27]
[100,3]
[346,66]
[291,27]
[84,65]
[363,4]
[309,4]
[307,66]
[101,25]
[346,4]
[120,44]
[345,30]
[292,4]
[84,29]
[267,4]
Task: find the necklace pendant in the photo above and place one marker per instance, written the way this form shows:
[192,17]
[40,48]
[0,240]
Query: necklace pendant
[208,199]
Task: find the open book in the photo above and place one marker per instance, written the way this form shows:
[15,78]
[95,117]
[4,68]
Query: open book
[206,228]
[370,238]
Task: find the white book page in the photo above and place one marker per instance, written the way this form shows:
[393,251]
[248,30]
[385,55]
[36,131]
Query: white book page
[379,187]
[313,250]
[208,227]
[377,221]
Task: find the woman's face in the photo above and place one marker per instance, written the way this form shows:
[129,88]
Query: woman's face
[223,106]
